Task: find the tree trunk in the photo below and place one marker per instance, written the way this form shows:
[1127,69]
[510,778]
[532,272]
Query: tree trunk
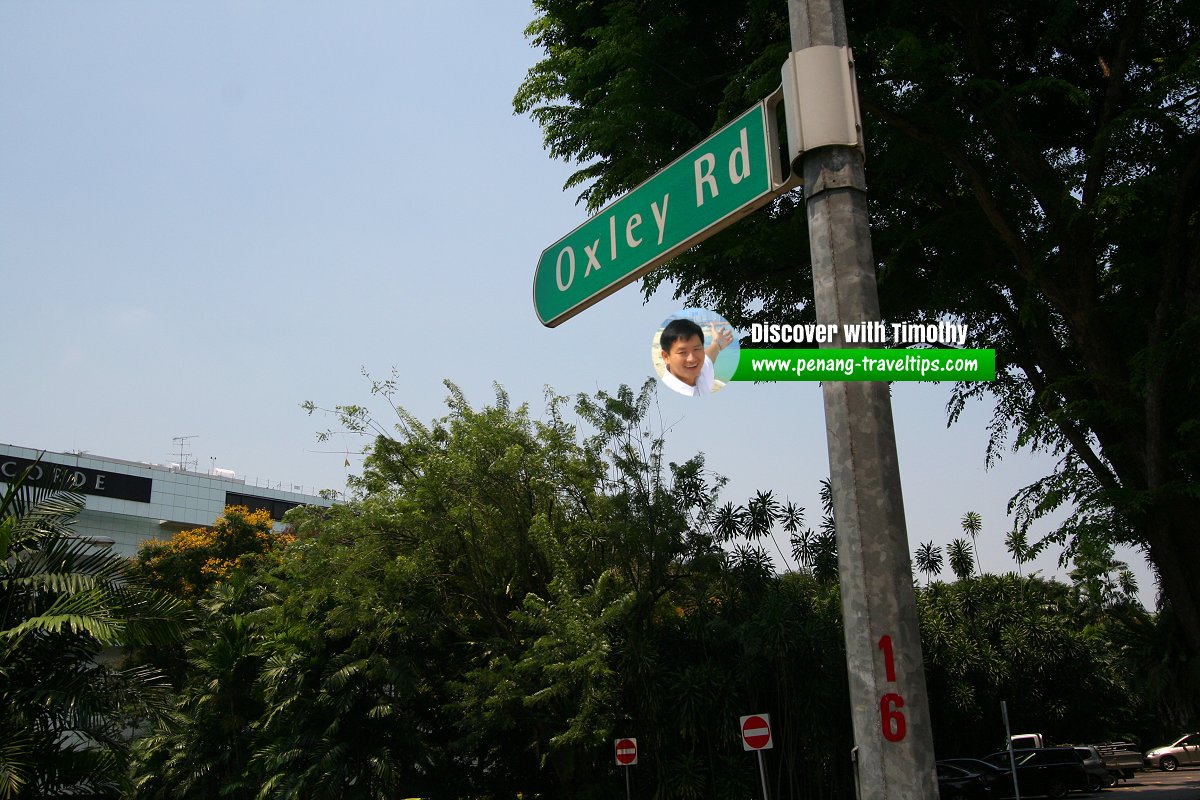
[1175,553]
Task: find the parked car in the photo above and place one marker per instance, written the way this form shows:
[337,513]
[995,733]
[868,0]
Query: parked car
[1052,771]
[956,783]
[1121,759]
[1098,774]
[998,779]
[1169,757]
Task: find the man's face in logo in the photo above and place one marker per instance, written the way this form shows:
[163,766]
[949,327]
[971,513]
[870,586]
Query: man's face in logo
[685,359]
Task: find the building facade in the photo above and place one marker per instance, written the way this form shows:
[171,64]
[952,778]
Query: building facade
[129,502]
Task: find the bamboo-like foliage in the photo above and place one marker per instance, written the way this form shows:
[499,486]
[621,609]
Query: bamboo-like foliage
[1018,639]
[929,560]
[962,563]
[972,525]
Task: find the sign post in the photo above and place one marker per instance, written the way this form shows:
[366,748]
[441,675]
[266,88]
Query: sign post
[717,182]
[626,753]
[1012,759]
[756,736]
[888,698]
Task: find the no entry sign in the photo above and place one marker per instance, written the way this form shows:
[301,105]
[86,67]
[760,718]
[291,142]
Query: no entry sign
[756,732]
[626,751]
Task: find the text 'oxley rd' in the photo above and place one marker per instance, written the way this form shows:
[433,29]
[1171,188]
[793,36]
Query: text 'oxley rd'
[698,192]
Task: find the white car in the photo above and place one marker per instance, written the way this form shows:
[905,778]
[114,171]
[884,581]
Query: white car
[1183,751]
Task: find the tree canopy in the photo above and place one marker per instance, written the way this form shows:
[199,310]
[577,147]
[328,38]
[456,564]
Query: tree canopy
[1034,172]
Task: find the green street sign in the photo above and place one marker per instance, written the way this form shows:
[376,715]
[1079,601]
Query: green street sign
[725,177]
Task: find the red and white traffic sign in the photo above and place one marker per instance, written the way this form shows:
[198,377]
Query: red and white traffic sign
[756,732]
[626,751]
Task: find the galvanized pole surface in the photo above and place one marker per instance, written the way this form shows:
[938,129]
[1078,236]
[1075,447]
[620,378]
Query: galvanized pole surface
[1012,759]
[762,774]
[889,702]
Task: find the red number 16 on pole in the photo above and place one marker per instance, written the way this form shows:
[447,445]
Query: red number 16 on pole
[890,719]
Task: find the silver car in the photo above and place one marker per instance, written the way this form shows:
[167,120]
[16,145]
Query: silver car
[1170,757]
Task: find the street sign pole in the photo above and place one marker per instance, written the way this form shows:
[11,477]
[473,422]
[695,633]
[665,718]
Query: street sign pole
[626,753]
[757,736]
[888,697]
[1012,759]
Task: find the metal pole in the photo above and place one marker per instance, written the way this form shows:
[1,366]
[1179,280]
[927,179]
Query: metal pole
[627,783]
[1012,759]
[889,704]
[762,774]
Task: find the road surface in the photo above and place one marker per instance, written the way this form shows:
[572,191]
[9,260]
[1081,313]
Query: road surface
[1183,784]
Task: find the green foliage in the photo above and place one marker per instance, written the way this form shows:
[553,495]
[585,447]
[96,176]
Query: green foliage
[1017,544]
[509,594]
[962,563]
[504,598]
[816,551]
[66,609]
[972,524]
[201,749]
[1017,639]
[929,560]
[1100,582]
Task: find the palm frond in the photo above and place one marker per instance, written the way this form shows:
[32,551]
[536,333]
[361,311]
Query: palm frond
[62,601]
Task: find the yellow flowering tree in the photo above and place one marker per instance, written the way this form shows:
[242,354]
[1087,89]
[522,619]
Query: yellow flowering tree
[191,561]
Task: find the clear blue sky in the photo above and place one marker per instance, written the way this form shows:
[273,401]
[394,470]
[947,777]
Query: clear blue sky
[212,211]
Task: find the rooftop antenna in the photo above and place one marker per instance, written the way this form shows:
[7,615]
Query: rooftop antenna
[185,458]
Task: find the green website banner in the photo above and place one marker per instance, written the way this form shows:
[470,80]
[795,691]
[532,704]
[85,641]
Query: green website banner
[866,365]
